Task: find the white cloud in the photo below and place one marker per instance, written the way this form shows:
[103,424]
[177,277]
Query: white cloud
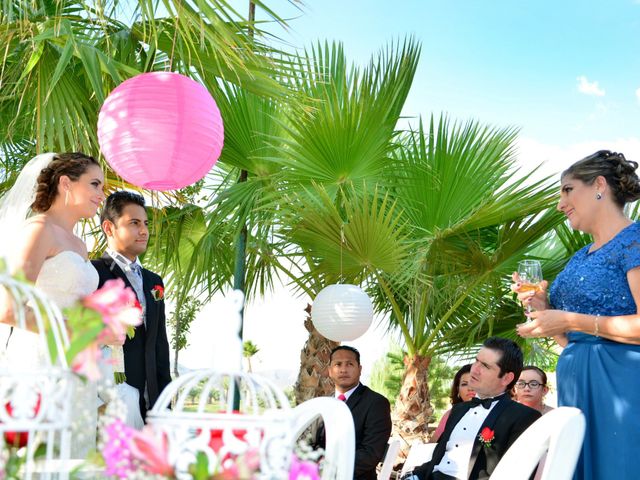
[555,158]
[589,88]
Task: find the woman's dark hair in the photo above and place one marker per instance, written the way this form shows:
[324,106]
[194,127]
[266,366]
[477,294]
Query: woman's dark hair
[70,164]
[455,386]
[539,371]
[619,173]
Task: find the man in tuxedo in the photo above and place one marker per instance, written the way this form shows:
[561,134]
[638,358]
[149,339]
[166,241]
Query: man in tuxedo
[479,432]
[370,410]
[146,355]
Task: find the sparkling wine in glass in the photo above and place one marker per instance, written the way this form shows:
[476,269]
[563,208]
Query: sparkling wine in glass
[530,273]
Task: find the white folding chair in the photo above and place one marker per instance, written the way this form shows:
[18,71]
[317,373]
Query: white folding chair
[340,437]
[419,453]
[389,459]
[559,433]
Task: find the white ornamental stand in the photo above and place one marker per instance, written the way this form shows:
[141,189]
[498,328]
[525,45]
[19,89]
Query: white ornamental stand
[36,400]
[202,405]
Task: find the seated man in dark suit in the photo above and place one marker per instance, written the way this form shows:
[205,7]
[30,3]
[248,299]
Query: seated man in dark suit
[370,410]
[479,432]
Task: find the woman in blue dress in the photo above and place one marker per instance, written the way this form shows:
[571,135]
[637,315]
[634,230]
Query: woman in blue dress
[594,311]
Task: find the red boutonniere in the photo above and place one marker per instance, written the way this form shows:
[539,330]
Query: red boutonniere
[157,293]
[486,436]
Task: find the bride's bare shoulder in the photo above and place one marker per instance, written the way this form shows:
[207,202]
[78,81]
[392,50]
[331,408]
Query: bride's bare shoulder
[37,223]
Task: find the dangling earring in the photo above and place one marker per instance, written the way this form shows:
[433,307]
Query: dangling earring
[66,197]
[598,196]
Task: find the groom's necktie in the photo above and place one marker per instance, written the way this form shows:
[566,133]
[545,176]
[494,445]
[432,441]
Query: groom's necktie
[137,283]
[137,270]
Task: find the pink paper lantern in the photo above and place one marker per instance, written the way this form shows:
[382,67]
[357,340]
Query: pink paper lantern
[160,131]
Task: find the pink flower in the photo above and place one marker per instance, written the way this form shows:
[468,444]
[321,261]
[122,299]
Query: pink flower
[303,470]
[117,455]
[86,362]
[116,303]
[151,449]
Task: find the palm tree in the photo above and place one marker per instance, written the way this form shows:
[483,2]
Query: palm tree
[434,241]
[63,57]
[342,137]
[249,349]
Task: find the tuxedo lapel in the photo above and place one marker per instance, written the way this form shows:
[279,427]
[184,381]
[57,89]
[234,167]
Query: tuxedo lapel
[151,316]
[488,422]
[355,397]
[454,417]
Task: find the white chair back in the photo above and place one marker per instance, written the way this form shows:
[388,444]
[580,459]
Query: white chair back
[419,453]
[389,459]
[340,437]
[559,433]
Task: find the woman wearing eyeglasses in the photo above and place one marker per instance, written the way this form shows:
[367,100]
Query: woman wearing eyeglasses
[531,388]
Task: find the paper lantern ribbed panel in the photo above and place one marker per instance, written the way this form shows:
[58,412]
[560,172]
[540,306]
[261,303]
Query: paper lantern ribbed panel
[160,130]
[342,312]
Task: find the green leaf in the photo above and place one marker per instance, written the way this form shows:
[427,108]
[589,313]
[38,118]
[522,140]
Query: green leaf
[200,469]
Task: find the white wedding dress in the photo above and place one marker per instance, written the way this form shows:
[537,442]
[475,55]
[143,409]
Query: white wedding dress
[65,278]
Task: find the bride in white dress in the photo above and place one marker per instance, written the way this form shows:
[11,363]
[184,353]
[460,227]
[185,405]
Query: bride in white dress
[59,189]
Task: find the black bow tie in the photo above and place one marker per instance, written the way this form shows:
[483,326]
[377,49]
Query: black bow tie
[485,402]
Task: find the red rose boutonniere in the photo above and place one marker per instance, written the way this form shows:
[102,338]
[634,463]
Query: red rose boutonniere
[157,293]
[486,436]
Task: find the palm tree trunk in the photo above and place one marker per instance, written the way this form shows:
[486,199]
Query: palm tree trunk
[413,411]
[313,378]
[176,314]
[176,374]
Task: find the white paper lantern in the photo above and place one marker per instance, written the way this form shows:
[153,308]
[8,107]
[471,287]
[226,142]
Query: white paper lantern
[342,312]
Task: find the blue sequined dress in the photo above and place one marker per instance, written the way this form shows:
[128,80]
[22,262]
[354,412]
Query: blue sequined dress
[599,376]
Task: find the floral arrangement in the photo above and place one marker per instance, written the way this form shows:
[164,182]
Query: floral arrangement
[145,454]
[112,310]
[157,292]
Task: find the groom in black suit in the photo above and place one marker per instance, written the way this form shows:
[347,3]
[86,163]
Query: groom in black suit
[146,355]
[370,411]
[461,453]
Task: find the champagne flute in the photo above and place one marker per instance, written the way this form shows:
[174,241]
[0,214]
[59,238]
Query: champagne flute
[530,273]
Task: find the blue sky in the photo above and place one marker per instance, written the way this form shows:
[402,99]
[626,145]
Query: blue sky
[504,62]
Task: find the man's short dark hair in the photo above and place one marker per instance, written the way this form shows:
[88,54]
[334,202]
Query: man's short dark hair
[115,203]
[511,359]
[347,348]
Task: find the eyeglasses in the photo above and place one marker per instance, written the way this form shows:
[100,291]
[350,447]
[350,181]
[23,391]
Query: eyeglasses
[533,384]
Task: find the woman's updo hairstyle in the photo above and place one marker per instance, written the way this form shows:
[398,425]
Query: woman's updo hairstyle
[619,172]
[70,164]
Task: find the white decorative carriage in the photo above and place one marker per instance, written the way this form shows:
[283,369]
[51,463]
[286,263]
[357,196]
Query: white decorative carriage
[36,400]
[232,412]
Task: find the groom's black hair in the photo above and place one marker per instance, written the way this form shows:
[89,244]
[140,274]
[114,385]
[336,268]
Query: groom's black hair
[511,359]
[115,203]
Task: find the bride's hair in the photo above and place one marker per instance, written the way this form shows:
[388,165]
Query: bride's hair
[70,164]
